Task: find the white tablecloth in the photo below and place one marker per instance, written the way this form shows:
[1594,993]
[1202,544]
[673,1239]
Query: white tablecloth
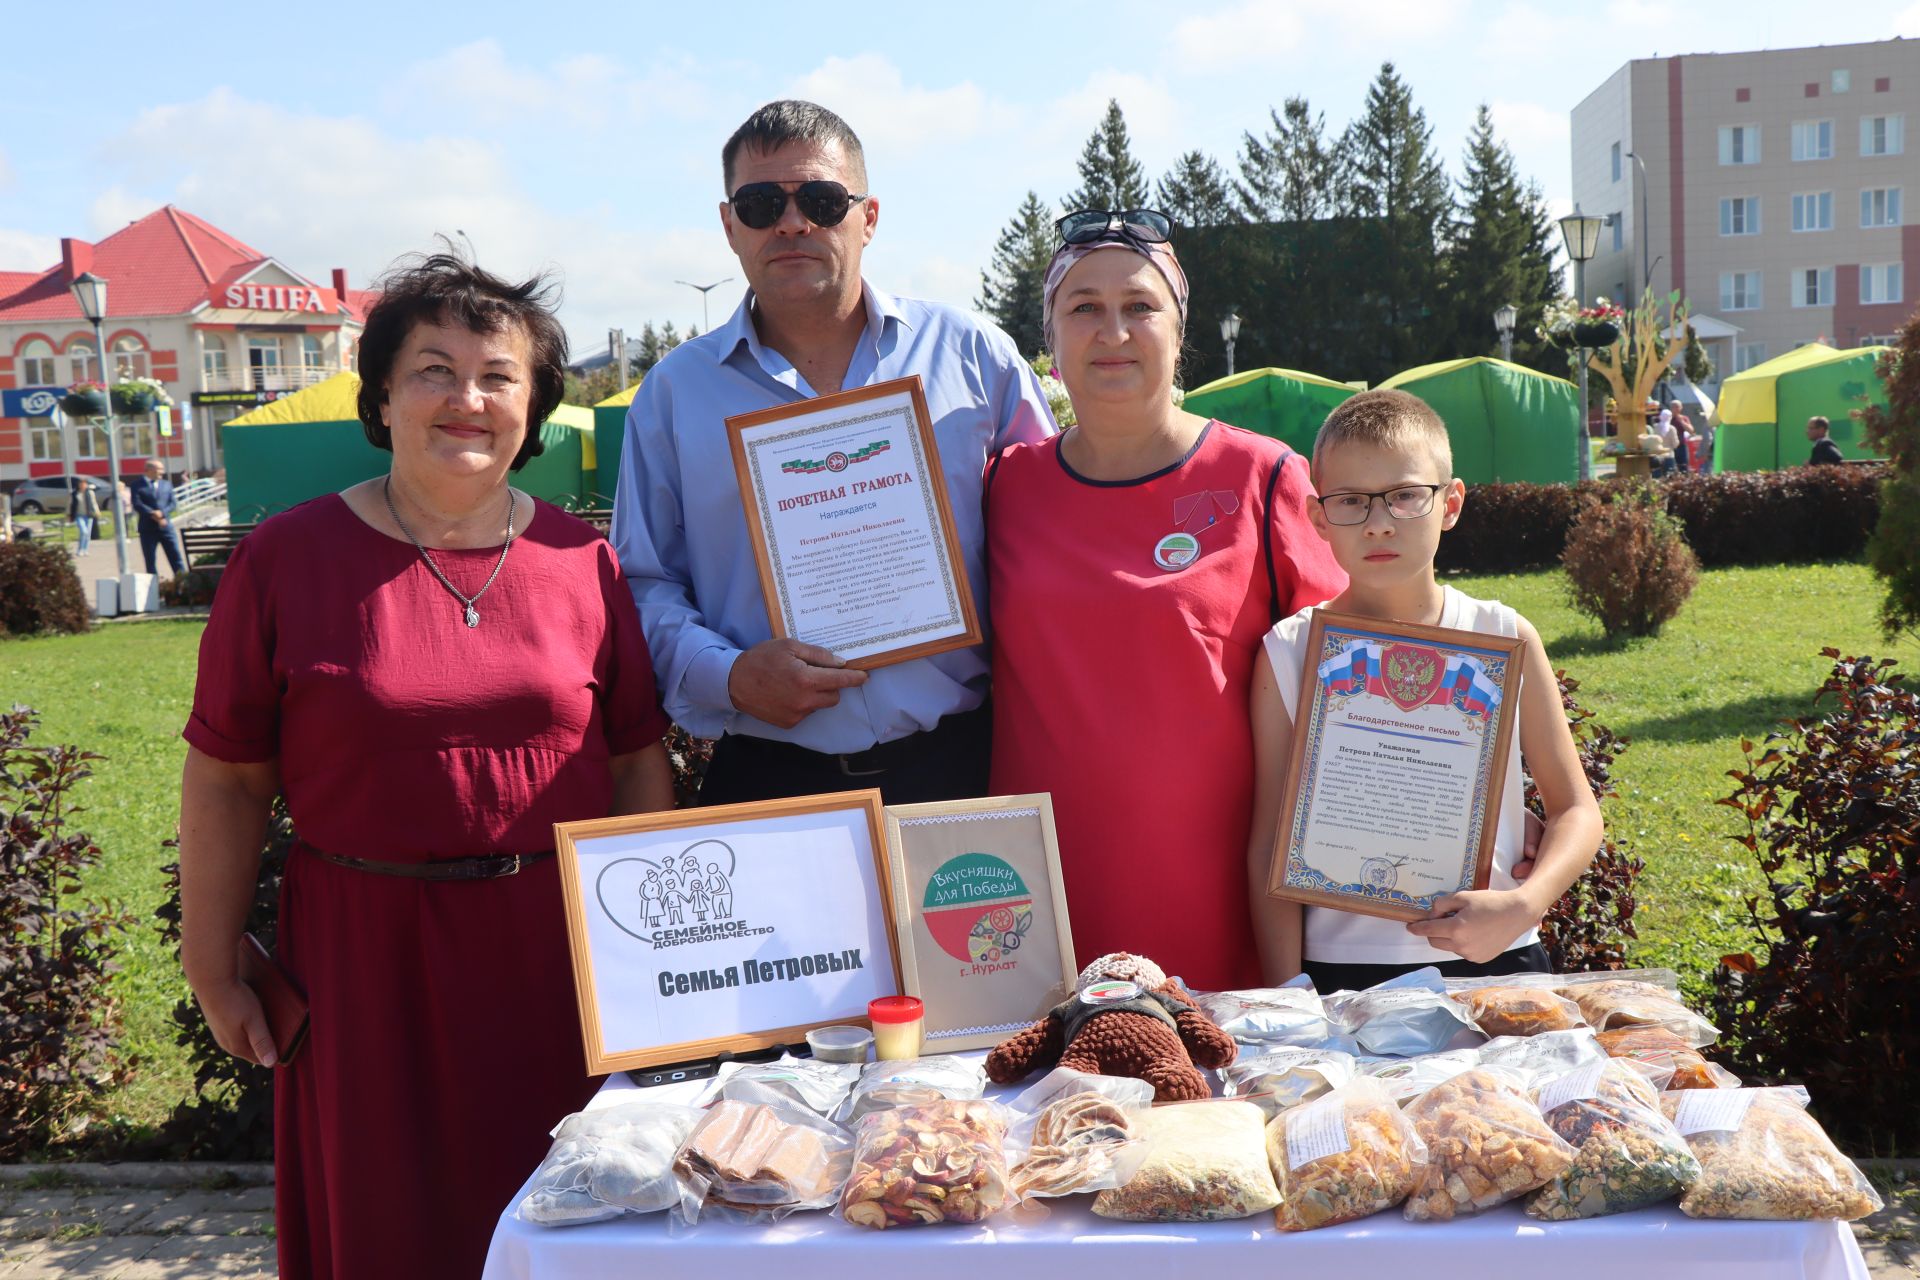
[1652,1244]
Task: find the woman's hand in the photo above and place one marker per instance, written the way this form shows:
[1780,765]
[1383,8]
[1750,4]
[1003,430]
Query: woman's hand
[238,1022]
[1477,925]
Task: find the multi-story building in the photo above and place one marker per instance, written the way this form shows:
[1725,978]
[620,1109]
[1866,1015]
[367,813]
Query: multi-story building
[223,326]
[1769,188]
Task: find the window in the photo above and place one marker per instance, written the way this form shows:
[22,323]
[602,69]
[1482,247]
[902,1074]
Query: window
[1813,211]
[1882,135]
[1880,283]
[84,362]
[1616,162]
[1748,354]
[129,358]
[90,440]
[1841,82]
[36,364]
[1880,207]
[43,439]
[1740,291]
[136,437]
[1813,139]
[1619,231]
[1740,216]
[1740,144]
[1812,287]
[213,361]
[313,355]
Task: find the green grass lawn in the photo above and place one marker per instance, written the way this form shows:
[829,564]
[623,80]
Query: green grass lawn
[1742,656]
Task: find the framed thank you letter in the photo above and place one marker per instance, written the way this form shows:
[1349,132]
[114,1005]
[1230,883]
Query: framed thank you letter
[734,927]
[982,916]
[1400,743]
[847,506]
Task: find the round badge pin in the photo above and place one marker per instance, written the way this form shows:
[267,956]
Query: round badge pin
[1176,551]
[1112,991]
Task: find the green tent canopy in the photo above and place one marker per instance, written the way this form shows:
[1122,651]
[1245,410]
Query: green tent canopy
[311,442]
[609,434]
[1761,421]
[1506,423]
[1283,403]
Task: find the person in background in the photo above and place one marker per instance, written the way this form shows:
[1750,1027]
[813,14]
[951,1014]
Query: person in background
[84,509]
[155,506]
[1825,452]
[1683,438]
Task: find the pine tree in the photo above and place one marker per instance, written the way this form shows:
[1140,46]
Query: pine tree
[1010,288]
[1196,193]
[1294,173]
[649,349]
[1501,252]
[1110,178]
[1397,185]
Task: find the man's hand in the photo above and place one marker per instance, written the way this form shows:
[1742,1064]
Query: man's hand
[1477,925]
[785,681]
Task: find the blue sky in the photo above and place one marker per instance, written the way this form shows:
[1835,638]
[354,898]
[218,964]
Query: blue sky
[584,138]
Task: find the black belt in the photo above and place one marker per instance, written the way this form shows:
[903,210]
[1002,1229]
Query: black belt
[489,866]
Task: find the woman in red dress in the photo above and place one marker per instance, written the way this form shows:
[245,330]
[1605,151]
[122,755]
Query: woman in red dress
[434,668]
[1135,562]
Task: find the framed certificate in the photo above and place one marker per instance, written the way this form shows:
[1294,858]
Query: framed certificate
[847,506]
[1400,742]
[982,916]
[734,927]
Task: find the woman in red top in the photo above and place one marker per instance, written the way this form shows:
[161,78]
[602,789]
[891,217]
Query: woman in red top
[435,669]
[1135,562]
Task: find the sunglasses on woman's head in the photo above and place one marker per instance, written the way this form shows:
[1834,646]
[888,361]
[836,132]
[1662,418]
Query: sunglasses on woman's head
[760,204]
[1150,226]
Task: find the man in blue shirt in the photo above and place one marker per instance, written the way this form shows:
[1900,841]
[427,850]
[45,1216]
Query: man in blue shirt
[791,718]
[155,506]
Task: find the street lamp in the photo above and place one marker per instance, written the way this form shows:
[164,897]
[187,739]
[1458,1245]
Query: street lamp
[704,289]
[1503,318]
[1581,231]
[1640,232]
[91,292]
[1230,334]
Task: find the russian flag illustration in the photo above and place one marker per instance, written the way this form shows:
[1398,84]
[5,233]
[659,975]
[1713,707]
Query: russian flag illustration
[1352,670]
[1469,688]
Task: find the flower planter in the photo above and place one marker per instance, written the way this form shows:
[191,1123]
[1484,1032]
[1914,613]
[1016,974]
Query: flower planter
[1596,333]
[84,404]
[133,402]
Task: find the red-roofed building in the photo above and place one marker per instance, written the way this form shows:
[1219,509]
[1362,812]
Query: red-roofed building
[222,325]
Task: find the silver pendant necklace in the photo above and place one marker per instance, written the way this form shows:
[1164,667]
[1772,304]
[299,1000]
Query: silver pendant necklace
[472,615]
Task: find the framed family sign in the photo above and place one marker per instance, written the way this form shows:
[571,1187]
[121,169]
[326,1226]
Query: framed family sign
[697,931]
[1400,743]
[852,532]
[981,913]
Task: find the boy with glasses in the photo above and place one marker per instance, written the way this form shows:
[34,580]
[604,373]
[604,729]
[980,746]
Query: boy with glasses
[1383,470]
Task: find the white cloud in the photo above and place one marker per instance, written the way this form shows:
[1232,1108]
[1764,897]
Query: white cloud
[1522,30]
[115,207]
[478,84]
[870,92]
[1257,31]
[1265,31]
[1530,126]
[27,250]
[1906,23]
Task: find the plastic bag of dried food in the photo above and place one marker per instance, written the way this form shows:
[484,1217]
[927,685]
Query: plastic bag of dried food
[1762,1156]
[1640,998]
[904,1084]
[1519,1010]
[1660,1047]
[1626,1153]
[1405,1016]
[750,1160]
[790,1081]
[1205,1162]
[1082,1136]
[1407,1078]
[1541,1057]
[929,1162]
[1287,1015]
[1343,1156]
[1283,1078]
[608,1162]
[1486,1144]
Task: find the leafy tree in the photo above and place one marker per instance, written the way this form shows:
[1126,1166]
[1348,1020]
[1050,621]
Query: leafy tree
[1294,173]
[1196,192]
[1893,432]
[1110,178]
[1501,252]
[1010,287]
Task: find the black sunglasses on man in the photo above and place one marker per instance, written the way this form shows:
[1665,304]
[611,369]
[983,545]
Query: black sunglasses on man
[824,203]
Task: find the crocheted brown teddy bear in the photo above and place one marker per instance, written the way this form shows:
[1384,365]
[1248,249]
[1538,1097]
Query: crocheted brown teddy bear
[1125,1019]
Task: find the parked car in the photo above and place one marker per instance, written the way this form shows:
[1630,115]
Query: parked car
[55,493]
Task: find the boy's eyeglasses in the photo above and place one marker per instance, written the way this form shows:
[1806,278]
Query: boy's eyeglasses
[760,204]
[1149,226]
[1408,502]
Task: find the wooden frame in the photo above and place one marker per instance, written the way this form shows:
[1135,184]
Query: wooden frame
[932,482]
[971,1003]
[1500,659]
[741,936]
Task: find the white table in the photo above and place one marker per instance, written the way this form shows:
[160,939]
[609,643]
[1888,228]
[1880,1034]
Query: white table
[1652,1244]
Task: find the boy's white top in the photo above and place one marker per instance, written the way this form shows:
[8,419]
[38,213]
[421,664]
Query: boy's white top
[1347,937]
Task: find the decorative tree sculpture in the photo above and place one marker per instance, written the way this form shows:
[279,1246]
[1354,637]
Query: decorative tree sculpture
[1639,358]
